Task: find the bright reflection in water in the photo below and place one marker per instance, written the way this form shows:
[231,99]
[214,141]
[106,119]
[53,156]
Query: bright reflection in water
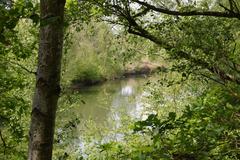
[111,101]
[127,91]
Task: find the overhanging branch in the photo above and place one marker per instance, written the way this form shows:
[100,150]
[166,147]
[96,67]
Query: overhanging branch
[231,14]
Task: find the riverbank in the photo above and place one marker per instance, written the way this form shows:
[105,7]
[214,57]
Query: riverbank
[144,69]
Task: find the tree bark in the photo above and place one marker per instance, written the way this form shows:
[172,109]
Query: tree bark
[47,80]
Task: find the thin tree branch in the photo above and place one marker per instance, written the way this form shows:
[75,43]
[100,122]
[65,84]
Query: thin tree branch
[135,28]
[213,79]
[225,8]
[4,143]
[231,14]
[22,67]
[142,13]
[223,75]
[231,4]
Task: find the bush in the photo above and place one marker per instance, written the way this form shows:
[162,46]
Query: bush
[88,74]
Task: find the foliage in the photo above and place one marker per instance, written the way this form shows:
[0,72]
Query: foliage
[17,53]
[90,57]
[98,53]
[207,129]
[16,78]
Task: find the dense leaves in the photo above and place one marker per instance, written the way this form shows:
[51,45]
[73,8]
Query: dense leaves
[208,128]
[17,48]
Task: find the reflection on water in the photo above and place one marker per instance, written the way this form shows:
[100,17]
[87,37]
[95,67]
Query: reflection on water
[112,100]
[127,91]
[107,106]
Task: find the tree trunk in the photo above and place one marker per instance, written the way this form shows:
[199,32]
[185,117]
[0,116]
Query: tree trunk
[47,80]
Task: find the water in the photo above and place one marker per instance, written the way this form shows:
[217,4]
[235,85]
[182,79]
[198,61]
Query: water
[104,110]
[104,103]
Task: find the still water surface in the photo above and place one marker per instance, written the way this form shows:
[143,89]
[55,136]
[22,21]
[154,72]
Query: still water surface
[105,108]
[106,102]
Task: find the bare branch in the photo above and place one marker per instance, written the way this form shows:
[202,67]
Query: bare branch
[190,13]
[225,8]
